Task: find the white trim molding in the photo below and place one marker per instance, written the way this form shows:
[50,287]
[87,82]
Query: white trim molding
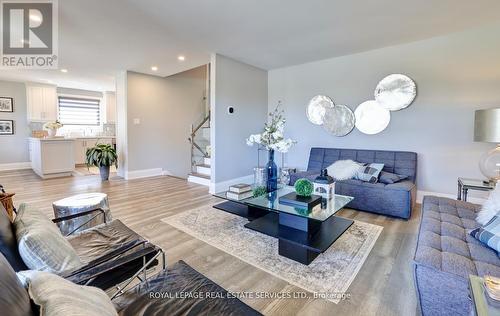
[145,173]
[15,166]
[222,186]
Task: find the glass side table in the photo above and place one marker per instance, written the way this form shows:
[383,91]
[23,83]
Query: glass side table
[465,184]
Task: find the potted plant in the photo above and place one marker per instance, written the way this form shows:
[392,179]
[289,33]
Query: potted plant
[102,156]
[52,128]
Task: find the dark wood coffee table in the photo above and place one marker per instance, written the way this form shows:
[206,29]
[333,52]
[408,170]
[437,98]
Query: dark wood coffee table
[303,234]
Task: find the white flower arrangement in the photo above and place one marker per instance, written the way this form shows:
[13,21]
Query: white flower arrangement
[52,125]
[272,137]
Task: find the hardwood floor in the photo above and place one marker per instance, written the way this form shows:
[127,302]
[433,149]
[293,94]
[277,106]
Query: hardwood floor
[384,285]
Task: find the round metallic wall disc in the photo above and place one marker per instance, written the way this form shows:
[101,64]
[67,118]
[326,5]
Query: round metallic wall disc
[371,117]
[317,107]
[395,92]
[339,120]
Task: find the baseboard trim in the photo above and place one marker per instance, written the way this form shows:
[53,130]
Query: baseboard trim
[421,194]
[224,185]
[145,173]
[15,166]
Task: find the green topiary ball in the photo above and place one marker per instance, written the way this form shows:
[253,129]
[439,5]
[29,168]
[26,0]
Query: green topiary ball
[304,187]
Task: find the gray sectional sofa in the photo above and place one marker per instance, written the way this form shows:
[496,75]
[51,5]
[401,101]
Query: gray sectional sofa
[446,254]
[396,199]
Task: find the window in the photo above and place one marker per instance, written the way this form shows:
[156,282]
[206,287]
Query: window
[79,111]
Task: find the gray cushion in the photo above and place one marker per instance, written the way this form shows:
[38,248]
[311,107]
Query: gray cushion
[393,199]
[390,178]
[446,254]
[400,162]
[57,296]
[370,172]
[309,175]
[41,244]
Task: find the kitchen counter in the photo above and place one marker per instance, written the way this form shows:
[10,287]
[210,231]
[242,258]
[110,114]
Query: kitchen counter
[52,157]
[91,137]
[72,138]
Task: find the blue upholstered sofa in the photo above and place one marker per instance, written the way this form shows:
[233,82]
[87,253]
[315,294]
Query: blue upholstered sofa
[396,199]
[446,254]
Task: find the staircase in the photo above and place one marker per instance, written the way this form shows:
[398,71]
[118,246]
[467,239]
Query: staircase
[202,173]
[200,153]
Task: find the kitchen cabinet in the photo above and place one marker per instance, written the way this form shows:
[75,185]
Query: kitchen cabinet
[82,144]
[42,103]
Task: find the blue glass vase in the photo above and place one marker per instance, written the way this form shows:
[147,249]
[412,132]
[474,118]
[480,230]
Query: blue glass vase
[272,173]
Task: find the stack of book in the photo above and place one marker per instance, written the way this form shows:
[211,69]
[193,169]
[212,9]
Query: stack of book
[239,192]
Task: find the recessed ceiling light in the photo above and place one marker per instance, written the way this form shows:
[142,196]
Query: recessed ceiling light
[64,70]
[154,68]
[181,58]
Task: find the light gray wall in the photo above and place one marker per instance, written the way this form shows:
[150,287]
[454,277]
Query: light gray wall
[14,148]
[455,75]
[166,108]
[245,88]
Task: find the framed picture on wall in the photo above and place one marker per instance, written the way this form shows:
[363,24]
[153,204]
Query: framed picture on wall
[6,127]
[6,104]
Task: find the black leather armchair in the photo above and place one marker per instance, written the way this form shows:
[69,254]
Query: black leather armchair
[112,253]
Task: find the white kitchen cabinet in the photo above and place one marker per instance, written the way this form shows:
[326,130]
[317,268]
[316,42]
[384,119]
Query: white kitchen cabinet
[82,144]
[42,103]
[80,151]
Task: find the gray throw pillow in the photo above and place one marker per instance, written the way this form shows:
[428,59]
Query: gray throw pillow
[57,296]
[370,172]
[41,245]
[390,178]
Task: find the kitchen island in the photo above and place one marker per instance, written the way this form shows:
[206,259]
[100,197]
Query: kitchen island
[52,157]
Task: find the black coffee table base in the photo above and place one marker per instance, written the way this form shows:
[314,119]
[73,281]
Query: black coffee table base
[300,238]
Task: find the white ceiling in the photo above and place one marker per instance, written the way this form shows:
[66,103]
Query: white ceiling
[98,38]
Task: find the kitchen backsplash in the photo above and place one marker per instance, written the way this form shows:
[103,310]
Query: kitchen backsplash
[73,130]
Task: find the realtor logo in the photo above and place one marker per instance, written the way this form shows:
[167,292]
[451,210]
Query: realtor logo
[29,34]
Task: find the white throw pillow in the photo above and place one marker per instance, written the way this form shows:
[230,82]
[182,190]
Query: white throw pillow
[59,297]
[490,208]
[343,169]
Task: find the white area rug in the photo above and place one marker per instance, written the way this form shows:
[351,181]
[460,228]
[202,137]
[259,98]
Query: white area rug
[329,275]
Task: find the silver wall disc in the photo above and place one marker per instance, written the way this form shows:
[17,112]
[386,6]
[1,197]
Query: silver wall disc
[339,120]
[395,92]
[317,107]
[371,117]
